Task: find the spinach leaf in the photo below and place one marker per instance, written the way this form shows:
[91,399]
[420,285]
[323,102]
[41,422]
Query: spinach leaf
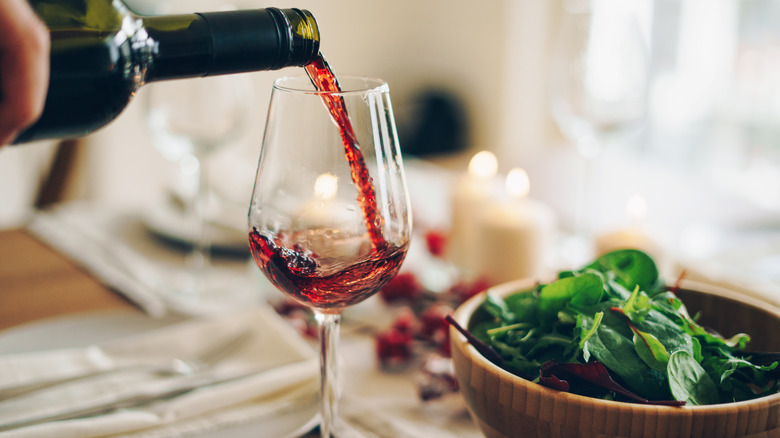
[523,305]
[637,305]
[497,308]
[631,268]
[617,353]
[689,382]
[587,333]
[615,289]
[650,350]
[667,332]
[580,290]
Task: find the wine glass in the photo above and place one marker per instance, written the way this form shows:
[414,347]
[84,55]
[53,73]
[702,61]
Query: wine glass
[308,230]
[597,86]
[189,120]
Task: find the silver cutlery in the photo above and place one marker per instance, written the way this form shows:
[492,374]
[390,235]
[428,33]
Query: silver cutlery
[186,366]
[131,401]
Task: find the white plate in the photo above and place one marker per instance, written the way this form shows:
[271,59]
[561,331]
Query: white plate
[168,222]
[85,329]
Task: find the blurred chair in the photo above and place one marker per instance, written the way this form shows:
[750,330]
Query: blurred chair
[54,185]
[36,175]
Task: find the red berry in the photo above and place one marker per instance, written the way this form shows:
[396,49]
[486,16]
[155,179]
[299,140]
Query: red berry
[436,241]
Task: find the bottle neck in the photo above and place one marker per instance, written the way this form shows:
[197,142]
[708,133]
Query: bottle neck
[215,43]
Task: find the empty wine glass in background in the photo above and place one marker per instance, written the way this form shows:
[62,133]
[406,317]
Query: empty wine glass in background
[597,87]
[189,120]
[330,221]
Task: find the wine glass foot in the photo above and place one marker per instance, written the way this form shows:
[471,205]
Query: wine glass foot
[345,430]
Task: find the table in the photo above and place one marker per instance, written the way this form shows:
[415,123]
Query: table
[37,282]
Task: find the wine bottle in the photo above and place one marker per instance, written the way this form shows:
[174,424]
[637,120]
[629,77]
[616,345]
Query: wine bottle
[101,53]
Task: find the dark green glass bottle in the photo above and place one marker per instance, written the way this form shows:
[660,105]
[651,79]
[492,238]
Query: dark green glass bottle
[101,53]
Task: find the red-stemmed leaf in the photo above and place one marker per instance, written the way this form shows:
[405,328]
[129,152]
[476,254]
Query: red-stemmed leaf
[676,286]
[560,374]
[485,349]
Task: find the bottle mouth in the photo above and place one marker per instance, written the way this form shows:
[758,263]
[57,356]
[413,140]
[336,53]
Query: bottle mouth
[303,35]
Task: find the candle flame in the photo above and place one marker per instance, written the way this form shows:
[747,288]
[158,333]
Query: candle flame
[517,183]
[636,208]
[326,186]
[483,165]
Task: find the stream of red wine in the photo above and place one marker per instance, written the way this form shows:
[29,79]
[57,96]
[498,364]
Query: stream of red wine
[323,78]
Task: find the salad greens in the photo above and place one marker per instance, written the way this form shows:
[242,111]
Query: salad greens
[613,330]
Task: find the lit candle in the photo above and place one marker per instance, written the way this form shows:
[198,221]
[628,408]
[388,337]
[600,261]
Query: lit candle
[631,236]
[515,235]
[472,191]
[328,220]
[323,210]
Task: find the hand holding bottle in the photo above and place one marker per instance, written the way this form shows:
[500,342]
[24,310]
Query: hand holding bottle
[24,67]
[101,53]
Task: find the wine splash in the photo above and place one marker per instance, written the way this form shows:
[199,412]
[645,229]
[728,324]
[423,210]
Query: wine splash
[305,276]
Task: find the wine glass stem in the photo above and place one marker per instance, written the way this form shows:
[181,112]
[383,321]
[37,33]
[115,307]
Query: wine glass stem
[589,148]
[199,259]
[330,324]
[583,223]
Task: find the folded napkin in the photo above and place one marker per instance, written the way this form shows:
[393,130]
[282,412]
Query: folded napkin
[272,371]
[391,417]
[84,235]
[117,249]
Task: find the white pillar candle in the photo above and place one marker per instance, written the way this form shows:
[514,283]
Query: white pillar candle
[333,224]
[325,211]
[471,193]
[514,237]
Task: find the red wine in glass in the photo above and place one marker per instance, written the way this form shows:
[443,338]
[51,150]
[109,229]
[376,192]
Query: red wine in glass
[320,279]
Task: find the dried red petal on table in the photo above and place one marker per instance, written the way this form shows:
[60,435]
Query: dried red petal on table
[404,287]
[436,378]
[435,327]
[287,306]
[406,322]
[463,290]
[393,347]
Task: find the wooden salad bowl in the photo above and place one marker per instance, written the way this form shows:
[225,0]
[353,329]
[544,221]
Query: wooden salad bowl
[507,406]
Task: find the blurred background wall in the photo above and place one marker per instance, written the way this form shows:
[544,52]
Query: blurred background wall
[713,101]
[464,50]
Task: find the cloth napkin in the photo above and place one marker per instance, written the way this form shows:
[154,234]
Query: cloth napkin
[117,248]
[83,234]
[274,370]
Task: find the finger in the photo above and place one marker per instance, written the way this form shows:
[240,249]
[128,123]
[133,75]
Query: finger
[24,67]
